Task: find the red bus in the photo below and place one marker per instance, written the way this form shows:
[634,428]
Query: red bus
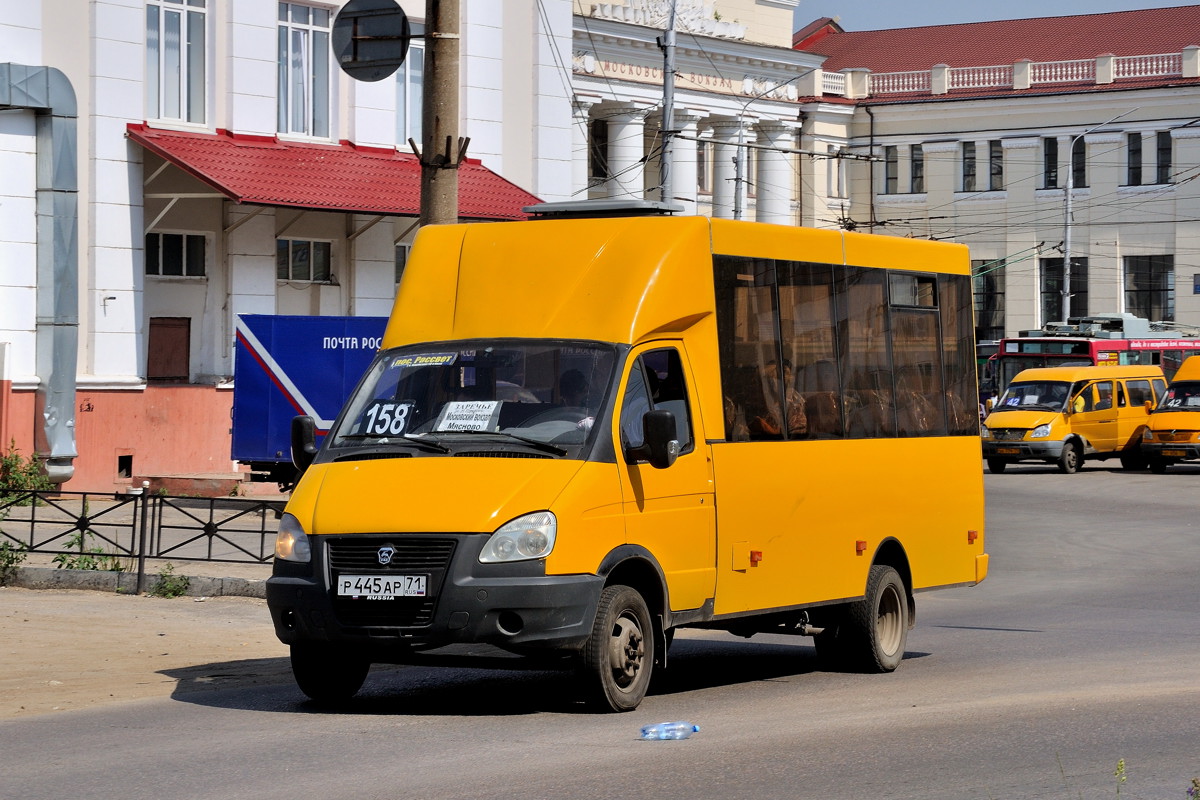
[1112,339]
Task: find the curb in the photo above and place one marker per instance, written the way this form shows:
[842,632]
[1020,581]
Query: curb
[126,582]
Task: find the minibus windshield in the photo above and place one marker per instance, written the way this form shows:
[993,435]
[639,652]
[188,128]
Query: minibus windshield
[1183,396]
[524,394]
[1031,395]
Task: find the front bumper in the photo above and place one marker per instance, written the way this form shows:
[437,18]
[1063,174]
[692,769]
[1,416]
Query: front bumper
[512,605]
[1171,451]
[1042,449]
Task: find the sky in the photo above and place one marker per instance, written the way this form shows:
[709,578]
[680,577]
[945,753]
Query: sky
[870,15]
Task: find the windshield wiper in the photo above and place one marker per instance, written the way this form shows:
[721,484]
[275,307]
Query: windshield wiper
[424,444]
[545,447]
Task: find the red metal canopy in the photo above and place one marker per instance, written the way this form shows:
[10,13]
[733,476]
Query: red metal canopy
[264,170]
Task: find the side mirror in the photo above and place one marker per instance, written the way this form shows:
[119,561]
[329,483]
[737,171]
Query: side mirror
[304,442]
[659,445]
[988,405]
[1149,406]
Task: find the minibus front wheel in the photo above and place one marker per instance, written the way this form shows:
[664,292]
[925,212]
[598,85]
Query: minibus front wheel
[326,675]
[1071,458]
[619,655]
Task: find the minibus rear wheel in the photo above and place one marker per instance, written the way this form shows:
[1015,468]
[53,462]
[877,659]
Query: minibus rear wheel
[996,465]
[326,675]
[619,655]
[879,622]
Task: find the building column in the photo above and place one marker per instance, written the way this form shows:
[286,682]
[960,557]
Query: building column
[774,178]
[683,161]
[725,151]
[581,134]
[626,131]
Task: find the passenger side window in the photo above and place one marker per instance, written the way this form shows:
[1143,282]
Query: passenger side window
[1139,392]
[656,382]
[1104,395]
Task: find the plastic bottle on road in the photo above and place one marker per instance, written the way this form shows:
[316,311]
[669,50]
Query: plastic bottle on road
[669,730]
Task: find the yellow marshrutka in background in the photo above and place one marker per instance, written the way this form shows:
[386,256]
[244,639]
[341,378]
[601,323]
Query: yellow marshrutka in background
[1173,431]
[581,434]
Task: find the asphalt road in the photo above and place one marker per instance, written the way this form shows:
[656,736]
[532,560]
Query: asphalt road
[1080,649]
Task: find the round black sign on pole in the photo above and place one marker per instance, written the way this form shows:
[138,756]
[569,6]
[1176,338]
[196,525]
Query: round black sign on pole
[370,39]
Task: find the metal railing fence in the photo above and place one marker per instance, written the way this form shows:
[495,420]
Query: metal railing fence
[114,528]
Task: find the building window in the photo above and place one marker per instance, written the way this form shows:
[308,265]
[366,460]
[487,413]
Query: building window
[750,170]
[298,260]
[410,87]
[835,177]
[1079,163]
[1050,163]
[175,254]
[995,166]
[598,151]
[1052,283]
[176,60]
[891,170]
[1163,173]
[303,70]
[988,282]
[402,253]
[1196,283]
[1150,287]
[917,171]
[1133,151]
[167,346]
[704,150]
[968,166]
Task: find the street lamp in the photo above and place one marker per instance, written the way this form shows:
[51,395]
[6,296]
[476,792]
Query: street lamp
[1066,278]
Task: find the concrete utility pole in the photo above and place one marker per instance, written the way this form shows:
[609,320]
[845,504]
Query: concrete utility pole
[441,147]
[666,189]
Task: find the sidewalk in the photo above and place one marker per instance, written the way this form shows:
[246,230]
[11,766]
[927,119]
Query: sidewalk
[205,578]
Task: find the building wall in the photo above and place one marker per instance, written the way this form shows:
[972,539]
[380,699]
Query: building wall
[100,46]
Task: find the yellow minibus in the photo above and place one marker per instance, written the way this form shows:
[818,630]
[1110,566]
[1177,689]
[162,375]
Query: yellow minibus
[1063,415]
[581,434]
[1173,432]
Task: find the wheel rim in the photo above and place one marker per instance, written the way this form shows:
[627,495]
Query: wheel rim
[1071,457]
[889,624]
[626,651]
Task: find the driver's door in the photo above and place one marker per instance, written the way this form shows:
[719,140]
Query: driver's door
[668,511]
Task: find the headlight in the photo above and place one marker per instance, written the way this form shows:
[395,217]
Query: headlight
[291,543]
[1147,435]
[527,537]
[985,431]
[1041,431]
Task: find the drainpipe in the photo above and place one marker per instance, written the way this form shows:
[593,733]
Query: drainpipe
[49,93]
[871,166]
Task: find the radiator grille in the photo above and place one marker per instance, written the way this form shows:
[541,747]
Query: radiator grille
[411,556]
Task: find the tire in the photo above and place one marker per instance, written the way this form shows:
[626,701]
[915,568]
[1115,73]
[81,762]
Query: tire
[831,643]
[618,658]
[1133,460]
[327,676]
[1071,459]
[1158,465]
[871,635]
[997,465]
